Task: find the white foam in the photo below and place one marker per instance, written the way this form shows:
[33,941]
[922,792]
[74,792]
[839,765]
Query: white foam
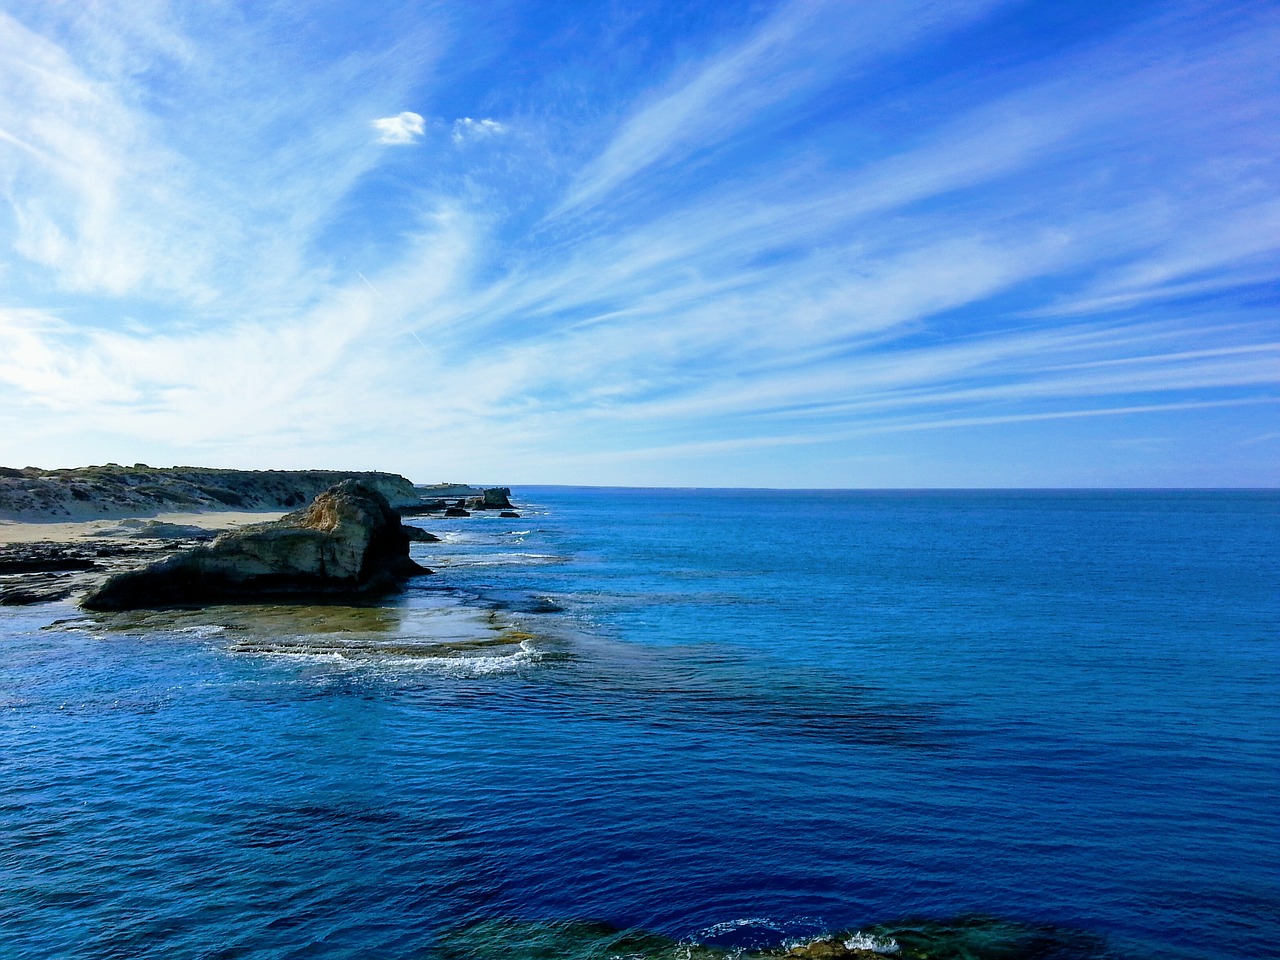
[501,560]
[728,926]
[866,941]
[458,666]
[201,630]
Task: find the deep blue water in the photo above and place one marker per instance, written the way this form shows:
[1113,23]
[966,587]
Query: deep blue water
[722,716]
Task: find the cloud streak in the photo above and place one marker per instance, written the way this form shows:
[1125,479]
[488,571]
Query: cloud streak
[818,229]
[466,130]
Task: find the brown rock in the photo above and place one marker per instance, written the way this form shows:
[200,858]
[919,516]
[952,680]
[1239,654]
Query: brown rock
[348,542]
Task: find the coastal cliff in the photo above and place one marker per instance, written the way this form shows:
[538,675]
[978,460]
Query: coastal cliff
[103,492]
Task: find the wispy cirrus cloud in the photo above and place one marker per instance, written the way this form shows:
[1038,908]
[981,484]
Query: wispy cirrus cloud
[825,228]
[803,46]
[466,130]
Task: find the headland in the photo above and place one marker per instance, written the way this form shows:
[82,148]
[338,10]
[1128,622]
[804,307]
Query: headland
[63,532]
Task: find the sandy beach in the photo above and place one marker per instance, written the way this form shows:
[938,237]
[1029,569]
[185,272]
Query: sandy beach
[15,531]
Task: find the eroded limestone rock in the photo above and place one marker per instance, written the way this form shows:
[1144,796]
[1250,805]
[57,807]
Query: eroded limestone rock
[347,543]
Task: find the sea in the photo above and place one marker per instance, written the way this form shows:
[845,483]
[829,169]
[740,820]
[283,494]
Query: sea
[651,723]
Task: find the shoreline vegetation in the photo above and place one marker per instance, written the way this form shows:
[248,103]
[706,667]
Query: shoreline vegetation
[112,491]
[65,532]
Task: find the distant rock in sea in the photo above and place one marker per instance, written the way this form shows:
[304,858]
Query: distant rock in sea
[418,535]
[493,498]
[347,543]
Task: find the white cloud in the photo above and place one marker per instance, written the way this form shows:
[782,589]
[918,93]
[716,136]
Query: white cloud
[941,281]
[404,127]
[465,129]
[805,45]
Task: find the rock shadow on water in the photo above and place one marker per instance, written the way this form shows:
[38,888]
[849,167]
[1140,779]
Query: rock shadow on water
[338,824]
[962,938]
[710,688]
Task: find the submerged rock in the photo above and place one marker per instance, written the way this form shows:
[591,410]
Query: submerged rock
[348,542]
[964,938]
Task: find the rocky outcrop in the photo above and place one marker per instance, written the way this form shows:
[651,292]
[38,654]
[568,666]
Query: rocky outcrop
[86,493]
[425,506]
[347,543]
[136,529]
[493,498]
[42,572]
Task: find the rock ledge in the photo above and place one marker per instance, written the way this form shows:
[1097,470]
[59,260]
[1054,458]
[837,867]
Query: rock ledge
[347,543]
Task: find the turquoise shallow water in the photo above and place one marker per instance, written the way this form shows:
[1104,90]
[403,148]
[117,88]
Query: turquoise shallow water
[725,717]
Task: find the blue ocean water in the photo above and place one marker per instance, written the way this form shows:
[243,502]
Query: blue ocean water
[734,718]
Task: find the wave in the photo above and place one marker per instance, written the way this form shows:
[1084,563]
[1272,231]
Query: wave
[452,663]
[500,560]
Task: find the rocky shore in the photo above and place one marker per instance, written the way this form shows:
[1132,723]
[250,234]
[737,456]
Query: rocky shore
[348,543]
[110,491]
[65,532]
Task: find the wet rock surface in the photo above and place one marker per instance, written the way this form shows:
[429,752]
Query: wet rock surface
[44,571]
[347,543]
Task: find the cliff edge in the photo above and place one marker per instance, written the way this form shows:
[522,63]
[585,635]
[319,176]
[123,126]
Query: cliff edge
[105,492]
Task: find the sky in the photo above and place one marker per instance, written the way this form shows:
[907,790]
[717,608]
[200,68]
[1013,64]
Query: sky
[863,243]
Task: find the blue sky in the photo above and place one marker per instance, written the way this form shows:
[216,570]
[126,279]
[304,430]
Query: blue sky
[806,244]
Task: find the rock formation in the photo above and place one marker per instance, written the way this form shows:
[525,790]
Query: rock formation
[493,498]
[418,535]
[347,543]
